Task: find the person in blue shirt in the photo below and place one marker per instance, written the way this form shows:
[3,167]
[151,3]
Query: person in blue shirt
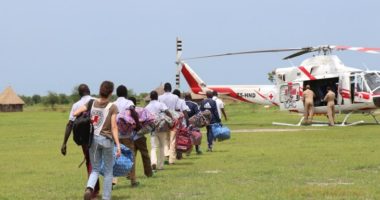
[194,109]
[209,104]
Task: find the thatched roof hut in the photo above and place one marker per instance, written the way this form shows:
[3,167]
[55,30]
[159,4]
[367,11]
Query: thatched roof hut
[159,90]
[10,102]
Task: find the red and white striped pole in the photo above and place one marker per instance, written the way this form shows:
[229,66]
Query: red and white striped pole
[179,65]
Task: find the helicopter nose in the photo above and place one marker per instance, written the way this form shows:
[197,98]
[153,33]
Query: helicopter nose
[376,101]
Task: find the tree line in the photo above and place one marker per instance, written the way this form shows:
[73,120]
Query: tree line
[52,98]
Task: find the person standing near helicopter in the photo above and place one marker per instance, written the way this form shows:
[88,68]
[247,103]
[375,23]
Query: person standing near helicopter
[308,102]
[329,98]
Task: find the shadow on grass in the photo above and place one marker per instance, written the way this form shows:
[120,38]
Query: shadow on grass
[127,186]
[183,162]
[192,157]
[179,164]
[220,151]
[117,197]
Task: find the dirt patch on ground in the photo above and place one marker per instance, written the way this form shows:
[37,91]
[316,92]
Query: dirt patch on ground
[273,130]
[330,182]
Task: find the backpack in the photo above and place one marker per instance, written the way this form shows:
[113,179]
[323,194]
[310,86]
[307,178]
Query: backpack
[82,127]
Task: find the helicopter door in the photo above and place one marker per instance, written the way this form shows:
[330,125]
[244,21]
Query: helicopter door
[360,89]
[289,96]
[339,86]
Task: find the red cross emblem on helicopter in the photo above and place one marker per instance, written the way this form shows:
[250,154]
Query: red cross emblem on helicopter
[270,96]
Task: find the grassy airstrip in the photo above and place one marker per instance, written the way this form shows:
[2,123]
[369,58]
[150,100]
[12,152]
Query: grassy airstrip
[263,162]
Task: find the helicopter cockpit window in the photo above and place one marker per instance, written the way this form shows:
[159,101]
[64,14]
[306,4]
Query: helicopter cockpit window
[281,77]
[360,84]
[373,80]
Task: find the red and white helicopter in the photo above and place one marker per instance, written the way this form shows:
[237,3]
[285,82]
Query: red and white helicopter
[356,90]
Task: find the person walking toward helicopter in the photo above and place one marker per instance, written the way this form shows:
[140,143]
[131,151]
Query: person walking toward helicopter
[308,102]
[103,117]
[84,93]
[330,99]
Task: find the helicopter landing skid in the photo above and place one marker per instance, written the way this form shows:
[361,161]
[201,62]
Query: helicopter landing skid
[286,124]
[374,117]
[344,123]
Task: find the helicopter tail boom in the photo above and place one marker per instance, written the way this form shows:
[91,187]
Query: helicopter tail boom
[195,82]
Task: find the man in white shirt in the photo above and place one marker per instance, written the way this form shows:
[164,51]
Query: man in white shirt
[122,104]
[84,93]
[170,100]
[219,105]
[181,104]
[158,139]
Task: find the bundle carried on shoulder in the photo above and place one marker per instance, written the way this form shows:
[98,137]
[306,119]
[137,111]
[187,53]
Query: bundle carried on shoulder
[122,165]
[178,118]
[163,122]
[146,119]
[195,135]
[220,132]
[201,119]
[126,123]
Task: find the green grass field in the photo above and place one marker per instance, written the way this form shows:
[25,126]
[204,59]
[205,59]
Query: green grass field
[322,163]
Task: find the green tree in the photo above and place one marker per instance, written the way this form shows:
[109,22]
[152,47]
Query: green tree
[28,100]
[51,99]
[74,94]
[63,99]
[113,97]
[36,99]
[271,77]
[131,93]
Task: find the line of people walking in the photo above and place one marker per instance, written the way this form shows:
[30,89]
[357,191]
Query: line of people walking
[106,134]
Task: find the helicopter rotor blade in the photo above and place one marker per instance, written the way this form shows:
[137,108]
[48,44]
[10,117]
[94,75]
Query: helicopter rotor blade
[300,51]
[245,52]
[360,49]
[303,51]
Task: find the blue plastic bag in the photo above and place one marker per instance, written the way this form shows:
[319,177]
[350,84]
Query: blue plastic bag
[220,132]
[122,165]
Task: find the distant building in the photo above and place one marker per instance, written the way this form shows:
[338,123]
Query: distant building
[10,102]
[159,90]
